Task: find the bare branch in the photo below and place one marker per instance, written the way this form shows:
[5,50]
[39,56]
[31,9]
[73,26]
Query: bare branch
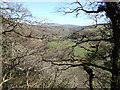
[81,64]
[80,42]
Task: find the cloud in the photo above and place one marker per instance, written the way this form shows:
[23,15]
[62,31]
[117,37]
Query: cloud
[36,9]
[6,0]
[62,17]
[46,16]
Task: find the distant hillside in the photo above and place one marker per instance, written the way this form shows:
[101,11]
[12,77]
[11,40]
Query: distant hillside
[67,27]
[72,28]
[33,43]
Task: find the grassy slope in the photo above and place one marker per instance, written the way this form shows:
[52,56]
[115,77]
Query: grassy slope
[38,32]
[66,43]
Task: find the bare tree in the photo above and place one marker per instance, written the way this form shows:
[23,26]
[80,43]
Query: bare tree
[22,51]
[110,11]
[14,18]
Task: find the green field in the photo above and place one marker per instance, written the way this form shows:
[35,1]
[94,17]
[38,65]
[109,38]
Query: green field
[61,44]
[79,51]
[66,43]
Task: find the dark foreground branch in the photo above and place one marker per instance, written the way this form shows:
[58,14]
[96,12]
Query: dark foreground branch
[81,64]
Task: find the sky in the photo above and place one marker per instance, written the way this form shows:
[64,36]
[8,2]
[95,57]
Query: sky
[47,10]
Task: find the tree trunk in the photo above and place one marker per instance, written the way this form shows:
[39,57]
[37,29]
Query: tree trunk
[115,84]
[113,12]
[91,76]
[91,82]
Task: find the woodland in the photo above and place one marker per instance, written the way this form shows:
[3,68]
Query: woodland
[38,55]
